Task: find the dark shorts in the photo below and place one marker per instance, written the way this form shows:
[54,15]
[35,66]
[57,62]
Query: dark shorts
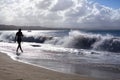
[18,41]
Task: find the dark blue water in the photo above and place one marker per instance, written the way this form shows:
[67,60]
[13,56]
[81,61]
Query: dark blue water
[104,32]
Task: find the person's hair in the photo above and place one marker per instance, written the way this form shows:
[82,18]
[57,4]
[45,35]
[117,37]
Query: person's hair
[19,30]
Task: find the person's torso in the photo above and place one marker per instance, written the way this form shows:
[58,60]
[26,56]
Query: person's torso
[19,35]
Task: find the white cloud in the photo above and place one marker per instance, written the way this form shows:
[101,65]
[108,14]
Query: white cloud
[59,13]
[62,5]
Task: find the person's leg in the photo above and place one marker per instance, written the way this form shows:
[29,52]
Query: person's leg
[17,48]
[20,47]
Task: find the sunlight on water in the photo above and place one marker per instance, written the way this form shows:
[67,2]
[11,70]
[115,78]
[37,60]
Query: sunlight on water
[67,53]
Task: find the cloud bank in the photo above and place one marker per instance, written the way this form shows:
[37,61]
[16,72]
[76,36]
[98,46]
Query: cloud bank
[59,13]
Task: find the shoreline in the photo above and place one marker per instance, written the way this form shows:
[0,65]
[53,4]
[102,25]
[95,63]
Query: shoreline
[15,70]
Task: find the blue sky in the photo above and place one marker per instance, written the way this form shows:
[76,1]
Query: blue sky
[110,3]
[61,13]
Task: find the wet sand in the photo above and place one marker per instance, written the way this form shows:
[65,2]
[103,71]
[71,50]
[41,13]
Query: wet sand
[14,70]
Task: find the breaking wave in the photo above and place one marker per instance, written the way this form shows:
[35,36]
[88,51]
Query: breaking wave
[9,36]
[74,39]
[82,40]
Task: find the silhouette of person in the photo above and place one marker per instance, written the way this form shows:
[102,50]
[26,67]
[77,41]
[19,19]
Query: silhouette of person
[18,38]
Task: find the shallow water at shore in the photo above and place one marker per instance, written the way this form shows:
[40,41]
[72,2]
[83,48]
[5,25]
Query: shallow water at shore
[87,53]
[66,60]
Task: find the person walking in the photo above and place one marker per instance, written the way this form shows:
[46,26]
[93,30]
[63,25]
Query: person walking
[18,38]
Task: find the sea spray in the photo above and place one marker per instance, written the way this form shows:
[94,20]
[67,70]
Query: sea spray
[82,40]
[96,52]
[69,39]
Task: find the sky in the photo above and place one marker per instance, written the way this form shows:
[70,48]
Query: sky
[85,14]
[110,3]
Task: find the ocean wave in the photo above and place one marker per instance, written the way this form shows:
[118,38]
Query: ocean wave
[9,36]
[74,39]
[82,40]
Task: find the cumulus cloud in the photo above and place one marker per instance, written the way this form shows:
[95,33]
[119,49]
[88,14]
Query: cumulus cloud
[59,13]
[62,5]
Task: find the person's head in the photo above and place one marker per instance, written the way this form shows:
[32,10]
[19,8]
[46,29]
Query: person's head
[19,30]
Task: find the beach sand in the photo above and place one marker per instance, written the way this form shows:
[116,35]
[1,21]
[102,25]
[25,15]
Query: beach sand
[14,70]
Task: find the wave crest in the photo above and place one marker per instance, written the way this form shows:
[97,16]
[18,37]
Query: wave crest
[74,39]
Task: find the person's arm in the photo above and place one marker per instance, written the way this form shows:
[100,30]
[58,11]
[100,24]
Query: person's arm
[15,37]
[22,36]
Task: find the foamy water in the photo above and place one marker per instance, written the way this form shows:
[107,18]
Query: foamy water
[66,60]
[73,52]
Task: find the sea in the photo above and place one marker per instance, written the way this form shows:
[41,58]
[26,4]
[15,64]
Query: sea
[91,53]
